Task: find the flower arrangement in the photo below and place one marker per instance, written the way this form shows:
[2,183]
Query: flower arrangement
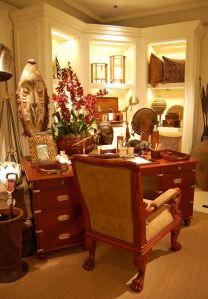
[75,114]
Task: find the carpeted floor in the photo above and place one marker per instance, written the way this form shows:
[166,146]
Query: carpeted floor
[169,275]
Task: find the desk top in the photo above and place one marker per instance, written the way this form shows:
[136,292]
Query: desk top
[156,166]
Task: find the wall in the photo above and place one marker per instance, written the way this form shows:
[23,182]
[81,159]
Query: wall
[6,37]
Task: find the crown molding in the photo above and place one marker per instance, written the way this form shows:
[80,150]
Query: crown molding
[51,13]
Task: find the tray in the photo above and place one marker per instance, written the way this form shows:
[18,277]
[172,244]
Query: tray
[170,155]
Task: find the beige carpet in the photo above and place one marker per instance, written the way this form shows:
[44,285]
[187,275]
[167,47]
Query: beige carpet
[178,275]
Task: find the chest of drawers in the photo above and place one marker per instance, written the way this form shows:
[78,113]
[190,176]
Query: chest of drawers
[56,211]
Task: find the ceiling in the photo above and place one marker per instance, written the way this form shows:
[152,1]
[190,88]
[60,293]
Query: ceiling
[115,10]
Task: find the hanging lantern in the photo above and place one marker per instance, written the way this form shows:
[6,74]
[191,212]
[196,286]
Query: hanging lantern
[98,72]
[117,69]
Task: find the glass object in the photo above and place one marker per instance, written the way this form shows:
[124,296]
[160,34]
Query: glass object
[117,69]
[98,72]
[62,158]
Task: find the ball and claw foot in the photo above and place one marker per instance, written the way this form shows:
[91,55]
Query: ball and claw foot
[89,265]
[176,247]
[137,284]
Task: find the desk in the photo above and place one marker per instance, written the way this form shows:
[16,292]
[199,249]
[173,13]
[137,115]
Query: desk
[57,213]
[160,176]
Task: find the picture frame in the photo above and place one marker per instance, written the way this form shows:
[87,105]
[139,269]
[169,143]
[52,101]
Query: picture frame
[43,149]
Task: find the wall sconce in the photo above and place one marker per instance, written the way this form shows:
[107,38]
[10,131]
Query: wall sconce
[98,72]
[117,69]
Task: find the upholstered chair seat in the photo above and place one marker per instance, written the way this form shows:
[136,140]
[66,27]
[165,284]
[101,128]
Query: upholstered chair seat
[114,211]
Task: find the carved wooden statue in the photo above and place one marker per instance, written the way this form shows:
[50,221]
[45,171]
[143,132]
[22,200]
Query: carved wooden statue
[32,100]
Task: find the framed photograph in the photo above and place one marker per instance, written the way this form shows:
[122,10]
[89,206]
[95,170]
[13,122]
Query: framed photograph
[43,149]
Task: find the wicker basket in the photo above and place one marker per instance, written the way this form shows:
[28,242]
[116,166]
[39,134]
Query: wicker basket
[12,267]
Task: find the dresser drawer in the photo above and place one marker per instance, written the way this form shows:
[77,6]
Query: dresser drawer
[53,184]
[177,180]
[178,168]
[58,237]
[60,198]
[60,218]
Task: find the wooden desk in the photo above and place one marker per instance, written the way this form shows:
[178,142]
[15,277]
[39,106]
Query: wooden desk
[57,213]
[158,177]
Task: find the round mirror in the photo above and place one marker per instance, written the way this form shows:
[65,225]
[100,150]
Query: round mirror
[144,120]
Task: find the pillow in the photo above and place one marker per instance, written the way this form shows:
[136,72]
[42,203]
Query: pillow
[174,70]
[155,70]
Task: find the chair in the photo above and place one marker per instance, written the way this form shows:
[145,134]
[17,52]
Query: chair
[114,211]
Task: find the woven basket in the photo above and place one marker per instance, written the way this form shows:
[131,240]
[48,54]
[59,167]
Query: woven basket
[11,265]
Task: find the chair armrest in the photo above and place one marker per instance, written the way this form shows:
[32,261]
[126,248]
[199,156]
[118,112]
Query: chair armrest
[167,196]
[171,196]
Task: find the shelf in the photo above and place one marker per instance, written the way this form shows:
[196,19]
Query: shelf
[111,86]
[170,131]
[168,86]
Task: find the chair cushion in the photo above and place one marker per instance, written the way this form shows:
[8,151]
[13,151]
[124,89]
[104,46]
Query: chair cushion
[158,220]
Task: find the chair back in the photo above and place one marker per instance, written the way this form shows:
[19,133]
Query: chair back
[111,197]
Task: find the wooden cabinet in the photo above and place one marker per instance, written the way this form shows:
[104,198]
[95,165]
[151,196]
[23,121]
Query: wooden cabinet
[56,210]
[159,177]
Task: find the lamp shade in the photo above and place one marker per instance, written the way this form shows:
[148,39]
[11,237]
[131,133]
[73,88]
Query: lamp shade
[6,62]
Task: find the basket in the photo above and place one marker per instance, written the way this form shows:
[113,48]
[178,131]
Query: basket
[11,265]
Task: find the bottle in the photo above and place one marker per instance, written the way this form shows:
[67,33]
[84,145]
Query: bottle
[110,114]
[155,137]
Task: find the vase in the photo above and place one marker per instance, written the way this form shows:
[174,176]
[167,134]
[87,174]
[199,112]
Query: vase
[75,144]
[12,267]
[200,153]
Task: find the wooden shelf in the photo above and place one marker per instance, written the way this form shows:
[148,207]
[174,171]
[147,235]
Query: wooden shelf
[168,86]
[111,85]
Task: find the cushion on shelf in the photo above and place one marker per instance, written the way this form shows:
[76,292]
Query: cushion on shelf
[174,70]
[155,70]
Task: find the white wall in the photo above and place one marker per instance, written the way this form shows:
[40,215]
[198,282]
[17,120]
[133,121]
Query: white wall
[6,37]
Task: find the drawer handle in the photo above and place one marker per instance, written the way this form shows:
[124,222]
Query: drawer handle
[64,236]
[63,197]
[179,167]
[63,217]
[177,181]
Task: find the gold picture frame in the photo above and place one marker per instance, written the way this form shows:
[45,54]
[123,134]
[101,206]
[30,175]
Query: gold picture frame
[43,149]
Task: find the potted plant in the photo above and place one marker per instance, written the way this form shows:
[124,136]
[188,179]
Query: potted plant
[75,114]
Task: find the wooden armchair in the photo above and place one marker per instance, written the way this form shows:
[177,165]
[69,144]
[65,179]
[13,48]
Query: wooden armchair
[115,212]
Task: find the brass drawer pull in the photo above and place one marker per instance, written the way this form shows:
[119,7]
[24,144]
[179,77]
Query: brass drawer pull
[64,236]
[159,192]
[40,250]
[38,211]
[179,167]
[177,181]
[36,191]
[63,197]
[39,231]
[63,217]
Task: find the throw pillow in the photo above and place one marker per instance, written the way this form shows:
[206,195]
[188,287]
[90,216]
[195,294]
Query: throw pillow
[155,70]
[174,70]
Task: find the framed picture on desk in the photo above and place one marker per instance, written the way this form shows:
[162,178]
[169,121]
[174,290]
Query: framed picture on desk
[43,149]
